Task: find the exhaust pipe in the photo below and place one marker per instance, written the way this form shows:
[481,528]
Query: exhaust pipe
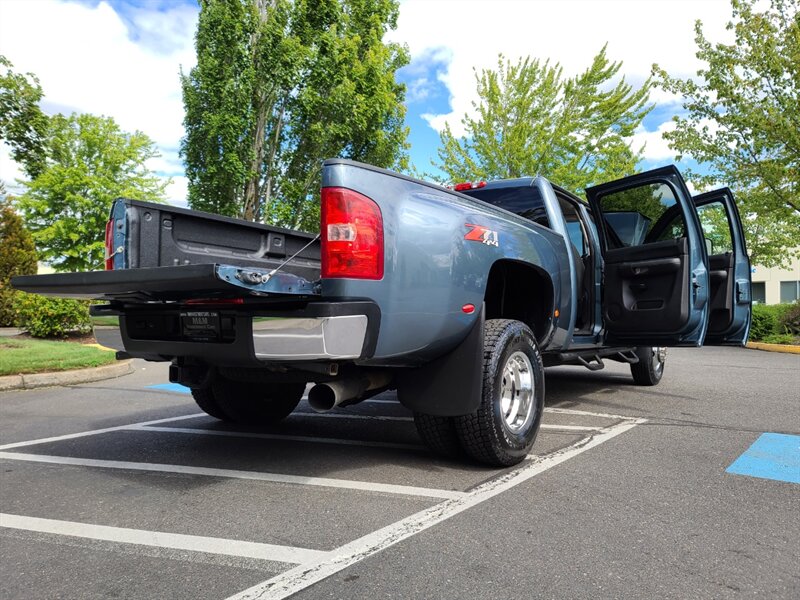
[327,396]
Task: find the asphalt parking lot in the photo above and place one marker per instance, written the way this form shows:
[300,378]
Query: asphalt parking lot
[122,489]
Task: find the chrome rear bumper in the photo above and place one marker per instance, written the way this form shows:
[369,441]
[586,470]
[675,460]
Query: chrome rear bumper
[336,337]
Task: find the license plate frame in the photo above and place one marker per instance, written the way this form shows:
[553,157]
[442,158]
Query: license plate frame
[201,324]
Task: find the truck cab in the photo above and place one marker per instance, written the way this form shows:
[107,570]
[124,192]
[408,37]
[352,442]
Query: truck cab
[658,268]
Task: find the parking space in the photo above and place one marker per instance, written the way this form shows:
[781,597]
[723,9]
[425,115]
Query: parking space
[357,479]
[132,492]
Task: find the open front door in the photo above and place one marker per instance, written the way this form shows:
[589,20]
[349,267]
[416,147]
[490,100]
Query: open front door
[729,269]
[655,271]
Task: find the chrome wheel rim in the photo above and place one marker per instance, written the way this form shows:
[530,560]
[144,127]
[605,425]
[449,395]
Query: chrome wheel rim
[516,392]
[659,357]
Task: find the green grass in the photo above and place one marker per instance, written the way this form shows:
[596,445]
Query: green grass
[39,356]
[111,321]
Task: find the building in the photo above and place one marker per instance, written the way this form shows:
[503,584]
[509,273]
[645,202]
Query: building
[776,285]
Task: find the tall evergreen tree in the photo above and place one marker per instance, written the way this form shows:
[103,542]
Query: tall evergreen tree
[279,86]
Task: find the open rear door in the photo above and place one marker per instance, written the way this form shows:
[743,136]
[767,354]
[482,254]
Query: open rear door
[729,269]
[655,271]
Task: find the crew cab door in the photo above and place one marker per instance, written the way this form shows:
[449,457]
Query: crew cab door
[655,267]
[729,310]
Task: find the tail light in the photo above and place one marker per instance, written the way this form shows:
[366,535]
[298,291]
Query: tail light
[352,235]
[110,245]
[468,185]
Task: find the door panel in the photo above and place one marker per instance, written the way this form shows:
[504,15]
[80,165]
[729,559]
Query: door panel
[656,283]
[730,301]
[647,288]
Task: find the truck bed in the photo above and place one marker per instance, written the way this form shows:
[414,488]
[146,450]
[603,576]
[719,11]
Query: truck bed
[159,235]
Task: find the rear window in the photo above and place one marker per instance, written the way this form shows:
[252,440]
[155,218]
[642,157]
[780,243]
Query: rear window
[524,201]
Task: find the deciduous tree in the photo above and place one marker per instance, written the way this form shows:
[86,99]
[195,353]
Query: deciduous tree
[279,86]
[742,122]
[531,120]
[90,162]
[23,125]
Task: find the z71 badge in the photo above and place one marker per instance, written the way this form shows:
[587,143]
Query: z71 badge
[479,233]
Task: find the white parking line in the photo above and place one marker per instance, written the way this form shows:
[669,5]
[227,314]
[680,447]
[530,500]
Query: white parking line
[160,539]
[305,575]
[328,415]
[583,428]
[572,411]
[277,436]
[72,436]
[408,419]
[366,486]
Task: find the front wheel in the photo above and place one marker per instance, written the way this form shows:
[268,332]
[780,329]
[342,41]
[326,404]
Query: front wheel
[650,368]
[502,430]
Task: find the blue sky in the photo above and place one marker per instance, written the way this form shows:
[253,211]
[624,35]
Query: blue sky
[122,58]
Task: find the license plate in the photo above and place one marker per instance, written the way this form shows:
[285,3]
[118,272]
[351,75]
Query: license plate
[200,324]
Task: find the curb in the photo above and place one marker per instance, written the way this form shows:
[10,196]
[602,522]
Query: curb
[38,380]
[774,347]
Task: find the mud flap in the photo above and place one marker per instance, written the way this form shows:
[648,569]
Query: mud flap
[450,385]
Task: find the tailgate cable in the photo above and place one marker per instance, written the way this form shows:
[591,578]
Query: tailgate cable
[268,276]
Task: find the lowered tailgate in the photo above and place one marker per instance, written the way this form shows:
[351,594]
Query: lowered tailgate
[168,283]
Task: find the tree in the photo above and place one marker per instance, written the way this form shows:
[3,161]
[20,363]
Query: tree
[23,125]
[742,122]
[279,86]
[17,257]
[531,120]
[90,162]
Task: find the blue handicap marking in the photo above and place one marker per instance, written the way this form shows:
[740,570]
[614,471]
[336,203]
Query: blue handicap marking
[171,387]
[772,456]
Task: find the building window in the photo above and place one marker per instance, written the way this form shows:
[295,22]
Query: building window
[759,292]
[790,291]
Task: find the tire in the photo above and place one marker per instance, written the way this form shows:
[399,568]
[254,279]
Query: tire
[256,404]
[439,435]
[204,397]
[502,431]
[650,368]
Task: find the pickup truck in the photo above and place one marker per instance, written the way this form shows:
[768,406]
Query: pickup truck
[457,298]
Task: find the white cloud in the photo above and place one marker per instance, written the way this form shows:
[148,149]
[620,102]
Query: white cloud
[87,62]
[177,191]
[473,32]
[10,171]
[655,146]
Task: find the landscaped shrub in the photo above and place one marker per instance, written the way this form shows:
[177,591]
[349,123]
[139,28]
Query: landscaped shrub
[17,257]
[765,321]
[44,317]
[790,319]
[779,338]
[774,320]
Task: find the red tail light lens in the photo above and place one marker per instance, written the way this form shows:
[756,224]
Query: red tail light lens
[110,245]
[467,185]
[352,235]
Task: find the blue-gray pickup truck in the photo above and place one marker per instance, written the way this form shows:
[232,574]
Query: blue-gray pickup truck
[456,298]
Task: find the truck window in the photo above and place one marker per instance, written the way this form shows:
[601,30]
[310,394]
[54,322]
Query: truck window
[574,226]
[716,228]
[644,214]
[523,201]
